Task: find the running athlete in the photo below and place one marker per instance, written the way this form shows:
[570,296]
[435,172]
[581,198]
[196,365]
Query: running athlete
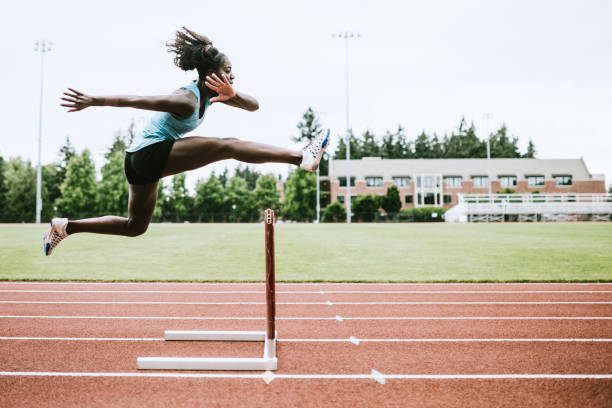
[160,151]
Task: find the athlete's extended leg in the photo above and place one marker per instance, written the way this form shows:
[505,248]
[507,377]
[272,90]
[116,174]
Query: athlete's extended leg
[141,205]
[189,153]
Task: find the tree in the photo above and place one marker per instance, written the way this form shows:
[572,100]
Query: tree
[334,212]
[309,128]
[114,190]
[79,187]
[179,204]
[396,145]
[300,196]
[340,153]
[66,153]
[51,191]
[240,201]
[369,145]
[2,187]
[464,144]
[161,203]
[391,202]
[366,206]
[266,194]
[223,177]
[210,200]
[422,147]
[20,195]
[502,145]
[250,176]
[531,151]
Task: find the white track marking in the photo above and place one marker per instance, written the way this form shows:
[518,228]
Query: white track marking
[352,339]
[311,376]
[314,318]
[385,292]
[303,283]
[328,303]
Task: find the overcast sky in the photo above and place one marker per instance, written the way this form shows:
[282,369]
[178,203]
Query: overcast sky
[541,67]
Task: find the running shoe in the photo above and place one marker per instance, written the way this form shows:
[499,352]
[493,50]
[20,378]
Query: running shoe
[313,152]
[56,233]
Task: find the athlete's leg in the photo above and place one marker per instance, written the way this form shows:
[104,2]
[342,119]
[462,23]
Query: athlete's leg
[191,153]
[141,205]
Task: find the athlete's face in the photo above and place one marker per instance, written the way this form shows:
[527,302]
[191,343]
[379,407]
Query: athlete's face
[226,69]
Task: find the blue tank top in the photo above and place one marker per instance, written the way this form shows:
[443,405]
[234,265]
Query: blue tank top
[166,126]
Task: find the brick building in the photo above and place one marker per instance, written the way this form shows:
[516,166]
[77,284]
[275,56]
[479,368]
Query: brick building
[436,182]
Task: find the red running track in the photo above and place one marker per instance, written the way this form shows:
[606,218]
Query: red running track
[76,344]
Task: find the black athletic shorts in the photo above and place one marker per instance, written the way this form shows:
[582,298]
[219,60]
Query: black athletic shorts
[145,166]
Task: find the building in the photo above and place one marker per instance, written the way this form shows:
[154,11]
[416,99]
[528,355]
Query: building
[436,182]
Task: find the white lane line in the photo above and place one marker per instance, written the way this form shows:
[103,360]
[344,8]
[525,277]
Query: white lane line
[315,318]
[328,303]
[308,283]
[309,376]
[351,339]
[388,292]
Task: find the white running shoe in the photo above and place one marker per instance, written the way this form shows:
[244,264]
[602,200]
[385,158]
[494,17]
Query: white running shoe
[56,233]
[313,152]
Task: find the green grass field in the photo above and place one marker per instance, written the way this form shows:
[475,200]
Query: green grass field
[305,252]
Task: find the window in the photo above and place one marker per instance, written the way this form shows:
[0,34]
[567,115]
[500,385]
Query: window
[447,198]
[535,180]
[343,181]
[480,181]
[428,181]
[409,199]
[563,180]
[430,199]
[341,199]
[453,181]
[507,181]
[374,181]
[401,181]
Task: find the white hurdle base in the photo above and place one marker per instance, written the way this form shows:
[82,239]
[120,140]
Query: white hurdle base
[267,362]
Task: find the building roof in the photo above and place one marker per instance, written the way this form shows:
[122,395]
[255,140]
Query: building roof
[466,168]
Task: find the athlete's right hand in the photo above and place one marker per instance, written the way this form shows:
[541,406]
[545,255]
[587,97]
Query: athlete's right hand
[77,100]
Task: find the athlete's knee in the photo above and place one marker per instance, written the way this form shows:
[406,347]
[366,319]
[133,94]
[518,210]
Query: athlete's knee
[136,227]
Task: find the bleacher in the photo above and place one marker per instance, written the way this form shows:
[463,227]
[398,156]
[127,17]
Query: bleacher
[531,207]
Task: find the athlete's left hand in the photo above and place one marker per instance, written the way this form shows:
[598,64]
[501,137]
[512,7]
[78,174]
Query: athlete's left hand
[222,87]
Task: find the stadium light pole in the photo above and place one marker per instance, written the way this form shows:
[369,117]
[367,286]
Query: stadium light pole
[488,116]
[42,46]
[347,35]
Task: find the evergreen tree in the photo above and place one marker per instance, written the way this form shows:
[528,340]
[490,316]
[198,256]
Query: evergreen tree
[179,204]
[309,126]
[369,145]
[250,176]
[161,203]
[2,188]
[300,196]
[78,198]
[240,200]
[531,151]
[266,194]
[210,200]
[223,177]
[20,195]
[391,202]
[340,153]
[50,190]
[437,147]
[464,144]
[66,153]
[502,145]
[396,145]
[422,147]
[114,190]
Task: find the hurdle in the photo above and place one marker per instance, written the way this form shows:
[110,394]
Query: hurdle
[267,362]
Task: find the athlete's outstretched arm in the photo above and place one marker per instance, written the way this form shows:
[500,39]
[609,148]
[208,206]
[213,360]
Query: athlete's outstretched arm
[227,95]
[181,102]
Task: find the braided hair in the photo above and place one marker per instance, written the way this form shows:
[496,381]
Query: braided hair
[194,51]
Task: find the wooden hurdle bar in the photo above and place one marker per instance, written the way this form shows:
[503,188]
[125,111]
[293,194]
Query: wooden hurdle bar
[267,362]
